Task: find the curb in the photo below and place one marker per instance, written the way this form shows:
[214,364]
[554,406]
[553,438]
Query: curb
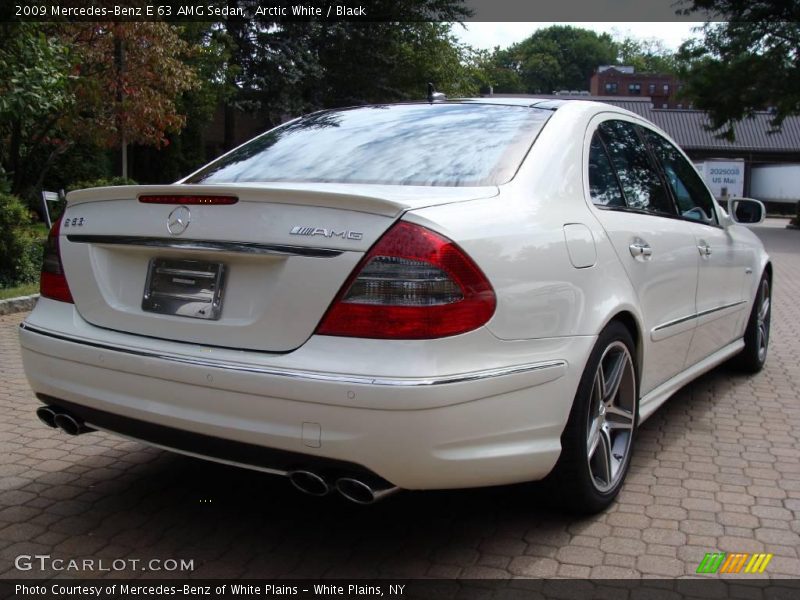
[20,304]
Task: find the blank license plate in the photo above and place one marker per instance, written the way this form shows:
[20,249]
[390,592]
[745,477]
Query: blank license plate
[185,288]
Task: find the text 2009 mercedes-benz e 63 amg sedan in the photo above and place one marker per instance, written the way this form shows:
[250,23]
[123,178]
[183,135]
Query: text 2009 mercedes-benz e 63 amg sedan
[413,296]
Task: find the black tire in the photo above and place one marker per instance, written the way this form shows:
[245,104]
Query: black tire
[756,337]
[578,482]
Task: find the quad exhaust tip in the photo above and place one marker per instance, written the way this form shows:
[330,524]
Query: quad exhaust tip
[47,416]
[350,488]
[359,492]
[309,483]
[60,419]
[69,424]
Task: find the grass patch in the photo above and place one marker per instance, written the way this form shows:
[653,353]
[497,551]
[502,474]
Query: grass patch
[19,290]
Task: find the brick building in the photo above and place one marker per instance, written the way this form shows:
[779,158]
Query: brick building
[662,89]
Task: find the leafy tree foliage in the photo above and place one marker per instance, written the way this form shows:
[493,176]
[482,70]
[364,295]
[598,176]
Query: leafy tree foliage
[555,58]
[34,91]
[128,76]
[748,63]
[287,68]
[86,83]
[646,55]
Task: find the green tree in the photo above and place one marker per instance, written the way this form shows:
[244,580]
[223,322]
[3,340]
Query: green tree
[503,71]
[646,55]
[66,84]
[555,58]
[287,68]
[35,92]
[748,63]
[402,59]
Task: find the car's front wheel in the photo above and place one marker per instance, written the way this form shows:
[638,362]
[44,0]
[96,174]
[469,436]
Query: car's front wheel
[598,439]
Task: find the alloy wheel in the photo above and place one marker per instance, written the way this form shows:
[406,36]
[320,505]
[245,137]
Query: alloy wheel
[762,325]
[611,417]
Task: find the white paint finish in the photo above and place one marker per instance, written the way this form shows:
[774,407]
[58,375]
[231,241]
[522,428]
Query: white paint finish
[312,434]
[496,429]
[338,358]
[108,281]
[650,402]
[719,283]
[665,285]
[386,200]
[580,245]
[270,303]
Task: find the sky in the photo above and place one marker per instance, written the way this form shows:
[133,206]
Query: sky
[488,35]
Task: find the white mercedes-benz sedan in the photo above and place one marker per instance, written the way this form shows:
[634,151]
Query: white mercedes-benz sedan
[414,296]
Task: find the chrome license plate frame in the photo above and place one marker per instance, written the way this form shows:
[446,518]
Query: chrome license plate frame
[184,288]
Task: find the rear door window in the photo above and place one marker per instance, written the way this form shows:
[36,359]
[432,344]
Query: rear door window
[641,182]
[603,183]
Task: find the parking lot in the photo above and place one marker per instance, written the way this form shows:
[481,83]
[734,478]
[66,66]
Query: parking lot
[716,469]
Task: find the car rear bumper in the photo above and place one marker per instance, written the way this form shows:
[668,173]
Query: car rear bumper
[495,425]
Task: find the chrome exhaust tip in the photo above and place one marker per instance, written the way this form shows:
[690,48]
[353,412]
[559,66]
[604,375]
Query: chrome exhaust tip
[309,483]
[47,416]
[69,424]
[361,493]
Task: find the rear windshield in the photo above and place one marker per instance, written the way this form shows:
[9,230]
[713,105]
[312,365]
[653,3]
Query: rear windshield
[413,144]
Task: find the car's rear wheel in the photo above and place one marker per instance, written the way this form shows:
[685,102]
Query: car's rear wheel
[598,439]
[756,337]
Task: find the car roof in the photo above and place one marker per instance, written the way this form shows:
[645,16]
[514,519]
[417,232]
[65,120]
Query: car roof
[531,102]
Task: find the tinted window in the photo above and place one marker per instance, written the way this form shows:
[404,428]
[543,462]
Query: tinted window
[691,194]
[603,184]
[414,144]
[641,183]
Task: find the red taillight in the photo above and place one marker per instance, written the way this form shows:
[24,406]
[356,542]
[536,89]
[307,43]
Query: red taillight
[53,283]
[182,199]
[413,284]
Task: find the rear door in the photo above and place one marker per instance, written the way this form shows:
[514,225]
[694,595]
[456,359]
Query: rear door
[656,248]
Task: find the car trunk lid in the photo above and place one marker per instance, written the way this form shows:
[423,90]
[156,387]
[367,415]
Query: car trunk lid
[257,274]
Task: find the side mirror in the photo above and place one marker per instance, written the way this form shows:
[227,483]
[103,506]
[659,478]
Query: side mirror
[746,211]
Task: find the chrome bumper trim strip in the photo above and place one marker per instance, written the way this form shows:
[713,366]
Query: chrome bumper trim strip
[311,375]
[205,245]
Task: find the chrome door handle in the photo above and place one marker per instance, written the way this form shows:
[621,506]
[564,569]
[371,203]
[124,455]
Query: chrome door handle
[640,249]
[704,249]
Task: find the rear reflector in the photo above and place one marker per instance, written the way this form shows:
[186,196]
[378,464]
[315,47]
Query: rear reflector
[181,199]
[53,282]
[413,284]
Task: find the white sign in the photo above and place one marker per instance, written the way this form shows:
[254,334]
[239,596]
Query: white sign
[719,174]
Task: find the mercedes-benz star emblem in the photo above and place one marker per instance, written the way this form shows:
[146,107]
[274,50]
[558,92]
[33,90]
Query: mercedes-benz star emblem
[178,220]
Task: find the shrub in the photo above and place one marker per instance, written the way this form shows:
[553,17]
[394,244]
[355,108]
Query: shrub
[20,250]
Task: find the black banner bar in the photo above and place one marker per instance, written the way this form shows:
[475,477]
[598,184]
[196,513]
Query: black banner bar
[716,588]
[350,10]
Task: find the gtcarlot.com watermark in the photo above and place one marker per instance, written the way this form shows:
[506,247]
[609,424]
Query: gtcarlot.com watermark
[46,562]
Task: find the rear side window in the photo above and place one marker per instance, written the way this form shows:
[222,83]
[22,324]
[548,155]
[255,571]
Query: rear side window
[691,194]
[603,183]
[641,183]
[458,144]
